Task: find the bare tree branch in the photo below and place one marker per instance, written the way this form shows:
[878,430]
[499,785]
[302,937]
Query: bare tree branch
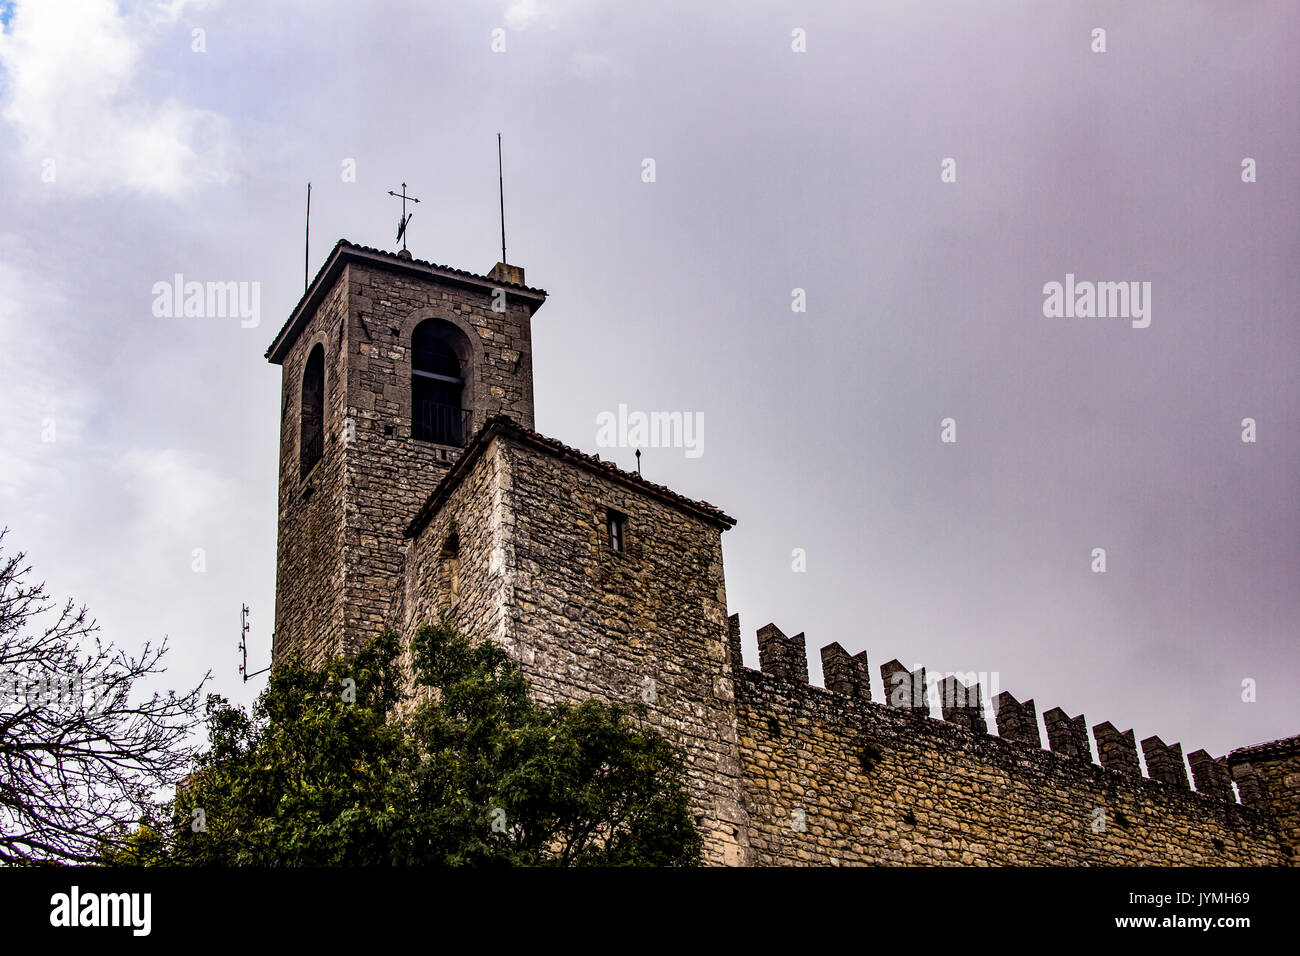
[82,753]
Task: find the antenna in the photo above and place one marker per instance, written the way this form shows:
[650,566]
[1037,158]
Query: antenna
[501,186]
[243,646]
[306,252]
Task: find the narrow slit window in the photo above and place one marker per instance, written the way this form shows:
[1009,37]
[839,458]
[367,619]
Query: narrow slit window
[615,522]
[451,566]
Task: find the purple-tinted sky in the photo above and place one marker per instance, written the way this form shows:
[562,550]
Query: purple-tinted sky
[128,157]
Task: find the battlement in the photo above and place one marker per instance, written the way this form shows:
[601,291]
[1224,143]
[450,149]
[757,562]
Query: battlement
[786,658]
[831,776]
[412,488]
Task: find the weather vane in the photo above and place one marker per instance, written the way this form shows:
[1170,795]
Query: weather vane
[406,220]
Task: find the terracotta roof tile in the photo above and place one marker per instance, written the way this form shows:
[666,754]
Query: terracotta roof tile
[342,247]
[504,424]
[1286,747]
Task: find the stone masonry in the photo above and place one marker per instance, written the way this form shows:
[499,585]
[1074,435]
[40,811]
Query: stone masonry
[340,537]
[831,778]
[535,571]
[507,537]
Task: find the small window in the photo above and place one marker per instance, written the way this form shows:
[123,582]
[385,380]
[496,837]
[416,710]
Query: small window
[615,522]
[451,566]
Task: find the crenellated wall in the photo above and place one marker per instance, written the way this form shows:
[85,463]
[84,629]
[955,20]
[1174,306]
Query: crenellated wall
[508,538]
[831,778]
[512,547]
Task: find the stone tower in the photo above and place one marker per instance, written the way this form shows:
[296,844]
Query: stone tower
[602,585]
[389,364]
[413,485]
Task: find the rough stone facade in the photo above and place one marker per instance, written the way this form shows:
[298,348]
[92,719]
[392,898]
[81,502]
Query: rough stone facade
[1269,777]
[341,525]
[831,778]
[508,537]
[310,583]
[537,572]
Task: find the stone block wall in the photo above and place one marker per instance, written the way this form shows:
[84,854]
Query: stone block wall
[377,475]
[390,474]
[646,625]
[833,779]
[474,595]
[309,581]
[1269,778]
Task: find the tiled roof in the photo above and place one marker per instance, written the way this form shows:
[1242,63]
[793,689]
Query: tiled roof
[1286,747]
[342,249]
[433,265]
[504,424]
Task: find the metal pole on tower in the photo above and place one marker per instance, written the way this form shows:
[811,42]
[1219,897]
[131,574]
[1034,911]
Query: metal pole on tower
[501,185]
[306,252]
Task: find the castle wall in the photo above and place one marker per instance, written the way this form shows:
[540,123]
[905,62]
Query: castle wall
[309,582]
[645,625]
[782,772]
[1269,777]
[834,779]
[472,597]
[779,772]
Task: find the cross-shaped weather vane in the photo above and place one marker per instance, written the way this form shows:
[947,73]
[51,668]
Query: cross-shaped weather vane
[406,220]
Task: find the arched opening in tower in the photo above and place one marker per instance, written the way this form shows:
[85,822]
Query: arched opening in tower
[438,385]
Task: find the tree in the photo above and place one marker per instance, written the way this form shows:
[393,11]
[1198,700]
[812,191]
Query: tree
[315,776]
[352,765]
[82,753]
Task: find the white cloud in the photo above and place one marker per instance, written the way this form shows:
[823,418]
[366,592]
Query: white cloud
[588,65]
[170,11]
[50,412]
[71,81]
[177,498]
[41,415]
[522,14]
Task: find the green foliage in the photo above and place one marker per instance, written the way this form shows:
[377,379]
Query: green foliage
[143,846]
[349,765]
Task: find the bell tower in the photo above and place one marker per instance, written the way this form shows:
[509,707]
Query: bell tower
[390,364]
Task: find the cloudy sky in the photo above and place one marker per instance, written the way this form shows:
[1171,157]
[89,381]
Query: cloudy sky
[142,139]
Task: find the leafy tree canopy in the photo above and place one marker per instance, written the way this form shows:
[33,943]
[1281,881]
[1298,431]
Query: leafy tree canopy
[351,764]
